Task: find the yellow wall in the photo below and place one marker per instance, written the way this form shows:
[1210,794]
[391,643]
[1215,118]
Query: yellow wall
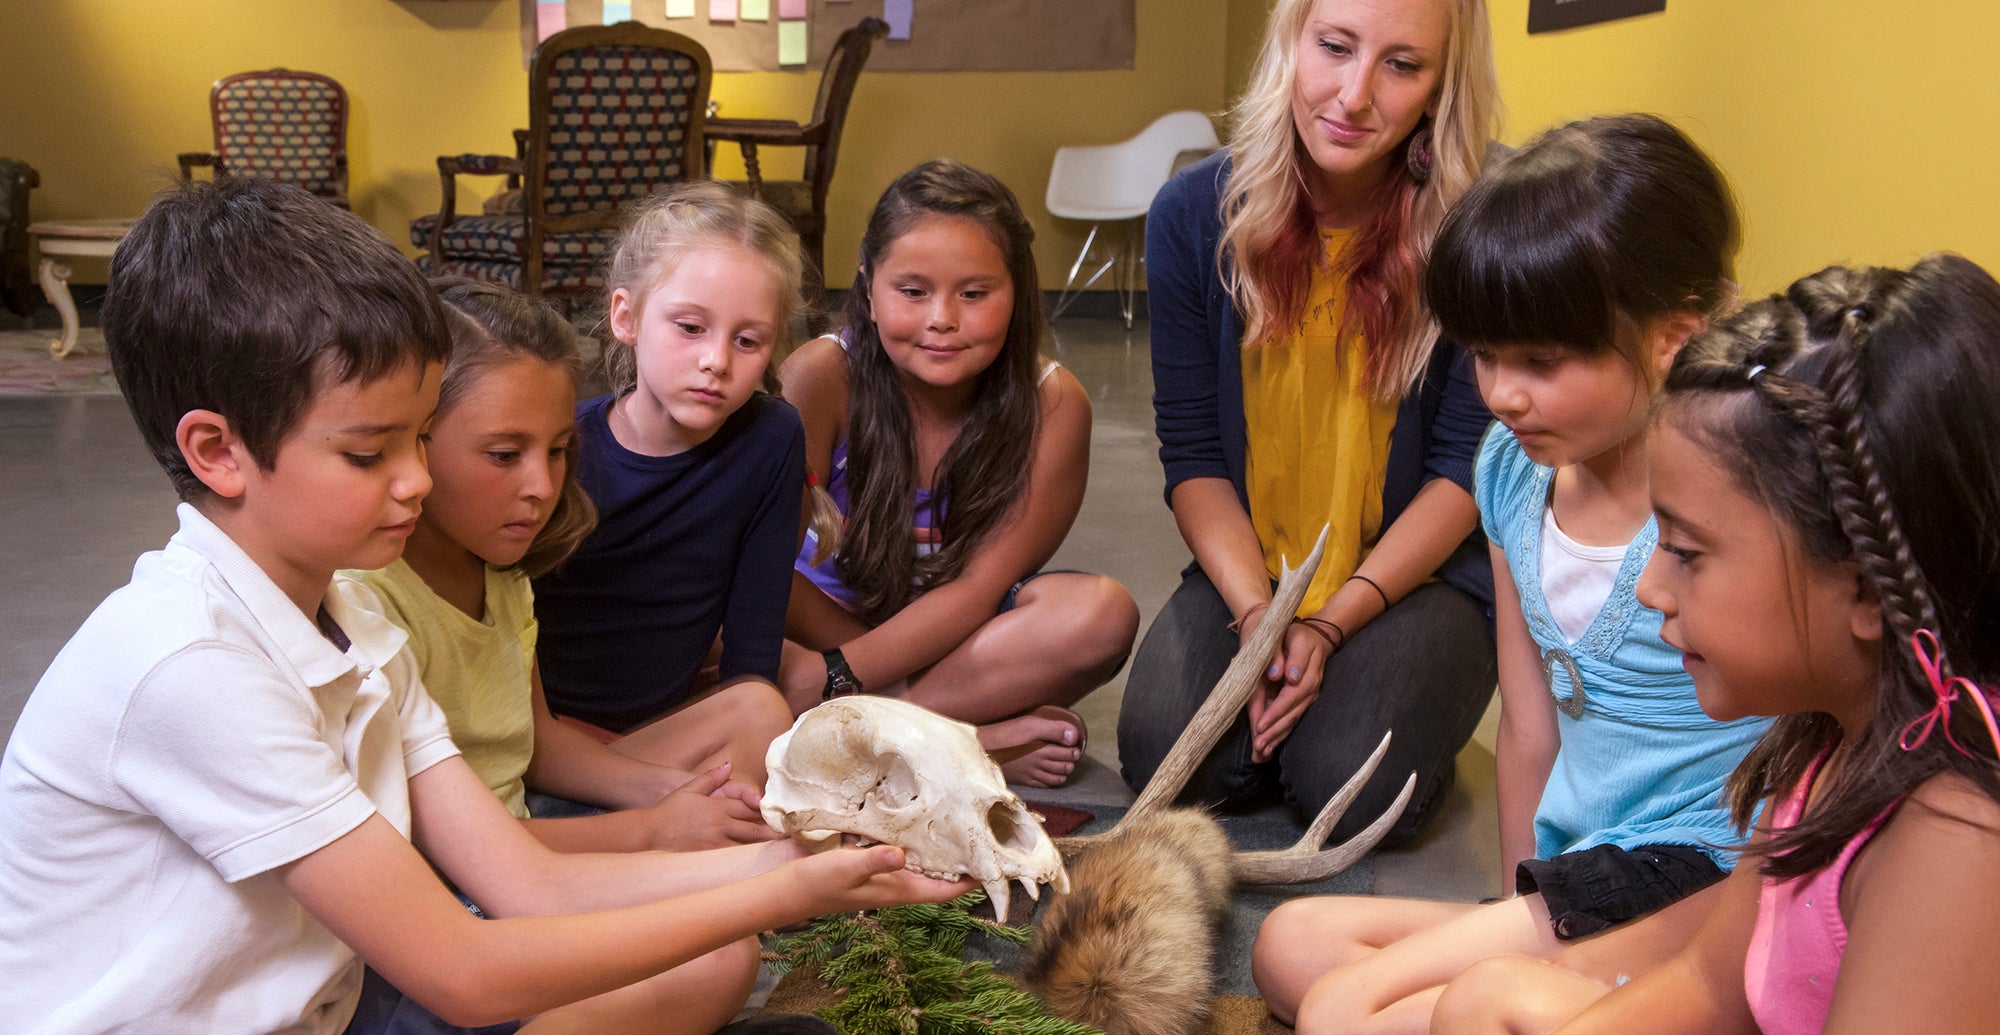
[99,95]
[1850,132]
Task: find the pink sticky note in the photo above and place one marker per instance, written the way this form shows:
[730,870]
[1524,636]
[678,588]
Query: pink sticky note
[897,13]
[549,19]
[791,9]
[722,10]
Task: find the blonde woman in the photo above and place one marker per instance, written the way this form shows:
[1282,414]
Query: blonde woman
[1299,383]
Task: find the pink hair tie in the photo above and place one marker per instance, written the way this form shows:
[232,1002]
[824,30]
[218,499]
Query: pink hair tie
[1925,643]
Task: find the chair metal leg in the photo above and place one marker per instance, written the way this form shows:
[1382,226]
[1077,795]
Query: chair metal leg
[1124,281]
[1070,291]
[1127,278]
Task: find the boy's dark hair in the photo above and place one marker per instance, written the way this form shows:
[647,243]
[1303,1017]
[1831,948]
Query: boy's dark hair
[1590,227]
[985,471]
[491,325]
[1862,406]
[246,297]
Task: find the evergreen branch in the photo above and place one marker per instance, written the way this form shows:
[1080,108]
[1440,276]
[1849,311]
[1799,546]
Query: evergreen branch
[900,971]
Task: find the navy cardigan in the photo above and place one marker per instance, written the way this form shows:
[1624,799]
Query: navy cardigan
[1198,375]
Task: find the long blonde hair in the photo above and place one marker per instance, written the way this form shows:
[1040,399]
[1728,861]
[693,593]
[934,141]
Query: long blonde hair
[1269,233]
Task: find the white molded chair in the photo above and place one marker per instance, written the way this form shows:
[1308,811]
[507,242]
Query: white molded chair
[1115,183]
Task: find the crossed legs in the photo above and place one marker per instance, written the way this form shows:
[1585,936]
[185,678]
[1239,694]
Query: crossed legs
[1017,674]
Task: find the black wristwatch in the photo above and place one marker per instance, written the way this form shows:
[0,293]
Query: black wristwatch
[840,680]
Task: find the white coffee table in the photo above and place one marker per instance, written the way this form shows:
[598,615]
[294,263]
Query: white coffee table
[60,240]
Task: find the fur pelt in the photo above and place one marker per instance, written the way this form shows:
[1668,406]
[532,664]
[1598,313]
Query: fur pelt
[1131,948]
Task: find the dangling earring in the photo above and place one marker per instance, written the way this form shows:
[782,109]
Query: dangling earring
[1419,156]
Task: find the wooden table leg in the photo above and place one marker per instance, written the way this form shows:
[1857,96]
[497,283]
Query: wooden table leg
[55,283]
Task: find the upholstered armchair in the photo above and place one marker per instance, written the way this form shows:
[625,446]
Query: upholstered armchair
[615,113]
[278,124]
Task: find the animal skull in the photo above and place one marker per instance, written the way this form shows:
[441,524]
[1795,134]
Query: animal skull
[896,773]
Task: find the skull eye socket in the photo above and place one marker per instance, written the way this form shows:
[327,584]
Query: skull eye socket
[1005,821]
[898,785]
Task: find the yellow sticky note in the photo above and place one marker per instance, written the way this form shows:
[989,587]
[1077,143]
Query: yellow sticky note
[680,8]
[756,11]
[792,43]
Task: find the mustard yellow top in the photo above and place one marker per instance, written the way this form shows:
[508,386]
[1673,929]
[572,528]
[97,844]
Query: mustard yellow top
[1318,439]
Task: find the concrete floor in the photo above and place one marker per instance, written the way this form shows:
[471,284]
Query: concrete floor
[82,499]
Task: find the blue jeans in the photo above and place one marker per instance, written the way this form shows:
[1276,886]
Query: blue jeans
[1425,669]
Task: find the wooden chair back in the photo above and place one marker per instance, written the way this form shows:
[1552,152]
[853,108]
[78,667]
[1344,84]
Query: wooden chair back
[836,93]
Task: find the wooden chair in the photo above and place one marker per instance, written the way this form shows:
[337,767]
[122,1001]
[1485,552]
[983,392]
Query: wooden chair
[17,279]
[615,113]
[804,201]
[281,125]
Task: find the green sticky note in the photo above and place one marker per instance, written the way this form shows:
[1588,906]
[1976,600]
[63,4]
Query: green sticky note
[755,11]
[680,8]
[792,43]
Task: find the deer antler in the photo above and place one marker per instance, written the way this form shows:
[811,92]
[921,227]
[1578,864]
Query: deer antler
[1301,862]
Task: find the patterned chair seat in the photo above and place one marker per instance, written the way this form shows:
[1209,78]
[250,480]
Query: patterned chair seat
[498,239]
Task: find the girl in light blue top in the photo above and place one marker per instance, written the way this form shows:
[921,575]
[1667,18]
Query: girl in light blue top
[1573,273]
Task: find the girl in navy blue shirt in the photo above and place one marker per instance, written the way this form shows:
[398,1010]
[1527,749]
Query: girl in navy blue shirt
[696,475]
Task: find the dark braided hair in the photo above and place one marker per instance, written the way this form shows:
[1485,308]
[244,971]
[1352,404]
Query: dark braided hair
[1860,406]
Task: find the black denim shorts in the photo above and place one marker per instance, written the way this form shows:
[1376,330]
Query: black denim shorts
[1595,888]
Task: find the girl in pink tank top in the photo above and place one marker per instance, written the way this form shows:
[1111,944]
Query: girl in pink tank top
[1826,472]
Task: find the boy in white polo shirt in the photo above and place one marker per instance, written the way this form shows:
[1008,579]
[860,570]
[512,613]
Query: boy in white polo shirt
[207,807]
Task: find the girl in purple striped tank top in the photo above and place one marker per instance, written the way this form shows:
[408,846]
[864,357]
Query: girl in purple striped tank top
[949,459]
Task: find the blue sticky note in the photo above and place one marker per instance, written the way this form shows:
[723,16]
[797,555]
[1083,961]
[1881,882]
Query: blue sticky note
[897,13]
[617,11]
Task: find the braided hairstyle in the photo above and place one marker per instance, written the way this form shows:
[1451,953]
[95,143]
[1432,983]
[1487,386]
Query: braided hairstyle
[1862,406]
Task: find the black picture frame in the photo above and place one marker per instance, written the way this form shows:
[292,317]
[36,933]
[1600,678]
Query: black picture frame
[1555,15]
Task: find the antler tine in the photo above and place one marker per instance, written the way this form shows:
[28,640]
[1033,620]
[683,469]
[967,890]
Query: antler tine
[1224,702]
[1304,862]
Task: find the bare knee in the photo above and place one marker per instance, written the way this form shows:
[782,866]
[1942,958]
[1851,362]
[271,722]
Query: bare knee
[1097,622]
[724,979]
[1336,1004]
[758,714]
[1488,999]
[694,998]
[1290,954]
